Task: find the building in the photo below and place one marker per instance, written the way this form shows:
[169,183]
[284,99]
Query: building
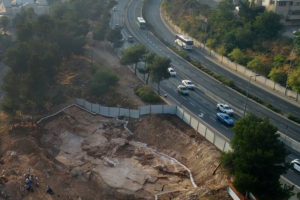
[12,7]
[288,9]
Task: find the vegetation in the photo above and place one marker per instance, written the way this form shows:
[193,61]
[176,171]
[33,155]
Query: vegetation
[133,55]
[159,70]
[147,94]
[102,82]
[248,36]
[115,37]
[43,43]
[257,159]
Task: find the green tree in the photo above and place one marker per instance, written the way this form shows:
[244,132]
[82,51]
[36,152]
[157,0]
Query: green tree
[133,55]
[257,159]
[238,56]
[148,59]
[278,75]
[211,43]
[222,51]
[115,36]
[258,66]
[159,70]
[294,80]
[102,82]
[33,67]
[267,25]
[278,61]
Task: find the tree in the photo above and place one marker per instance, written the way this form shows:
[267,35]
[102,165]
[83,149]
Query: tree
[278,75]
[148,58]
[267,25]
[258,66]
[159,70]
[294,80]
[4,22]
[222,51]
[115,36]
[257,159]
[238,56]
[133,55]
[278,61]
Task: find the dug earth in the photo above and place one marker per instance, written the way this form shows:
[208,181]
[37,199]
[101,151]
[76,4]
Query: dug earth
[85,156]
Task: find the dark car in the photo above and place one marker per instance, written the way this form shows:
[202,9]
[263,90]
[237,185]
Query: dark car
[225,119]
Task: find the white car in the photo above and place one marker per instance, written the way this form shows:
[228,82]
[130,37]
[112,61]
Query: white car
[182,90]
[296,164]
[172,71]
[224,108]
[188,84]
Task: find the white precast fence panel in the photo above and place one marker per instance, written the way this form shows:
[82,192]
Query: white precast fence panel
[269,83]
[291,93]
[104,111]
[179,112]
[210,135]
[220,142]
[114,112]
[202,129]
[95,108]
[186,118]
[124,112]
[167,109]
[80,102]
[134,113]
[87,105]
[279,88]
[144,110]
[194,123]
[156,109]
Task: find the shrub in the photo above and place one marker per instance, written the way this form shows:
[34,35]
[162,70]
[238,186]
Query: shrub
[103,80]
[147,94]
[294,118]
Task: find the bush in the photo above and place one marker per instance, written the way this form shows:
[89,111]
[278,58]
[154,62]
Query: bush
[147,94]
[294,118]
[103,80]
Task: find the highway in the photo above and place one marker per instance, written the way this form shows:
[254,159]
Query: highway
[152,15]
[202,101]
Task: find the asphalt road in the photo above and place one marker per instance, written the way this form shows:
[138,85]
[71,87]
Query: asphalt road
[210,86]
[153,16]
[202,101]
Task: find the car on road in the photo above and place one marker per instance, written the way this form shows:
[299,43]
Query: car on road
[171,71]
[225,119]
[182,90]
[114,9]
[130,39]
[296,164]
[224,108]
[188,84]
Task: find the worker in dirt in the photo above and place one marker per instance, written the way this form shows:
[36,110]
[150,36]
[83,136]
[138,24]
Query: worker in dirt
[49,190]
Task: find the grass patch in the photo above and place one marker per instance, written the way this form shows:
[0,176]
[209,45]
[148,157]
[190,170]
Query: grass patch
[147,94]
[293,118]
